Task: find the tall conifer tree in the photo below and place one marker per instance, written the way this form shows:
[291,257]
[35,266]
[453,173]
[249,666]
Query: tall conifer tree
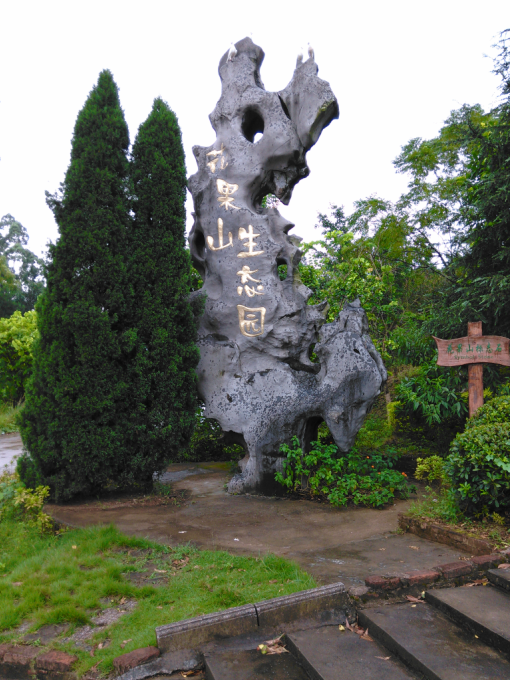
[164,353]
[76,411]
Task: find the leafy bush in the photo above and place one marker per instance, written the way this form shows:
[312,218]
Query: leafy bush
[17,336]
[431,469]
[479,466]
[497,410]
[353,477]
[433,394]
[18,502]
[9,485]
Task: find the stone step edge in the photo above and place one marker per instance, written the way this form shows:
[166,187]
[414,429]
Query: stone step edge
[324,603]
[397,585]
[483,632]
[392,645]
[440,534]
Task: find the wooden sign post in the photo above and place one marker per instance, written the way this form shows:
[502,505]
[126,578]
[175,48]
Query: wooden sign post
[475,350]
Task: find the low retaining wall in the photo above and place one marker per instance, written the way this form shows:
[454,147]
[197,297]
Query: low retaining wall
[397,586]
[440,534]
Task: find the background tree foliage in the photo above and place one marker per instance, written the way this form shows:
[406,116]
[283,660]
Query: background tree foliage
[21,271]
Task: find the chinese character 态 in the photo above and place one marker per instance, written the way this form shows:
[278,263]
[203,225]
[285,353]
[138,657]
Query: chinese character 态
[243,234]
[217,155]
[226,190]
[498,348]
[250,290]
[251,320]
[479,348]
[489,350]
[459,348]
[246,274]
[210,240]
[449,349]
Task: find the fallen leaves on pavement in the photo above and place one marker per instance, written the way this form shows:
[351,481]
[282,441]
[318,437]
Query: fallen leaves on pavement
[274,646]
[477,582]
[411,598]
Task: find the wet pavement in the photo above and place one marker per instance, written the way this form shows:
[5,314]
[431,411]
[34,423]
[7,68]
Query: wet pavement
[332,544]
[10,447]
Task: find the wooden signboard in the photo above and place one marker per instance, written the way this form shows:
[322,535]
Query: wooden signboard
[484,349]
[475,350]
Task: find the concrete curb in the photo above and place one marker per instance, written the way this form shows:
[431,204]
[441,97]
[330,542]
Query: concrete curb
[191,633]
[326,602]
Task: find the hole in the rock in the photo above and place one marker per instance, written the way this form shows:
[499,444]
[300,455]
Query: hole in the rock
[211,443]
[199,244]
[316,430]
[282,269]
[284,107]
[311,354]
[252,125]
[324,435]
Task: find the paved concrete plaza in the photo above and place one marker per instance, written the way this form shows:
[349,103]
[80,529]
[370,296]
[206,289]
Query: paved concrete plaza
[332,544]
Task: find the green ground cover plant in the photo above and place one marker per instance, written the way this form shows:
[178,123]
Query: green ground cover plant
[353,477]
[8,417]
[67,577]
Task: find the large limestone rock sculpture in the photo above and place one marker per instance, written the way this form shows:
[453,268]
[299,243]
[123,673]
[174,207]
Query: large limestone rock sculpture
[257,331]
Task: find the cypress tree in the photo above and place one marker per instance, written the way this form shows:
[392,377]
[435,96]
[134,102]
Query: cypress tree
[164,353]
[74,421]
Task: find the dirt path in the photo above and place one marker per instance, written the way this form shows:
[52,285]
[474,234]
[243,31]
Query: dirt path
[334,545]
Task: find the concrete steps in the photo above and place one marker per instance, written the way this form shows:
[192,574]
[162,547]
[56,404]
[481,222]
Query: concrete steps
[484,611]
[252,665]
[456,634]
[430,643]
[328,654]
[500,578]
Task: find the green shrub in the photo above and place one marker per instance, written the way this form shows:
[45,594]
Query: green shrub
[431,469]
[9,484]
[353,477]
[479,465]
[17,336]
[495,411]
[433,394]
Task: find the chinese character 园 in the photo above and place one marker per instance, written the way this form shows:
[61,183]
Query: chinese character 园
[251,320]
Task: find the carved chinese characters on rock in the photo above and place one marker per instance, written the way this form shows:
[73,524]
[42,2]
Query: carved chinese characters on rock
[257,330]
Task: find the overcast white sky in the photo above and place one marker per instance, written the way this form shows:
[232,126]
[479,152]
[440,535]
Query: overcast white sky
[397,68]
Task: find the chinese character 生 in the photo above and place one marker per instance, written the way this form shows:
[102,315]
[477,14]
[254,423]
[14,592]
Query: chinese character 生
[243,235]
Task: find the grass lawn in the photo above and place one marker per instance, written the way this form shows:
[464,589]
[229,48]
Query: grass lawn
[70,577]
